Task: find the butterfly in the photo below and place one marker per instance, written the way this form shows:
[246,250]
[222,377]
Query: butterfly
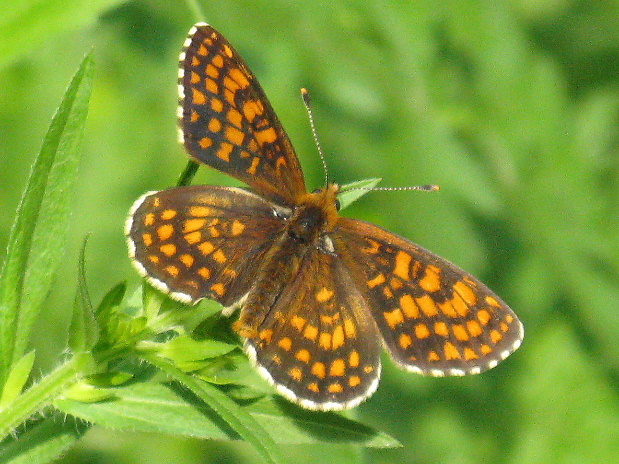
[319,294]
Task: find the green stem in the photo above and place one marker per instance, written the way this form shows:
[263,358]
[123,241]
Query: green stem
[41,394]
[195,9]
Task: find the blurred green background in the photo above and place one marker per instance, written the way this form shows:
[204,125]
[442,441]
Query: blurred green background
[512,107]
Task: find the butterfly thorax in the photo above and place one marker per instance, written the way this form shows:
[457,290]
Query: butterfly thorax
[307,230]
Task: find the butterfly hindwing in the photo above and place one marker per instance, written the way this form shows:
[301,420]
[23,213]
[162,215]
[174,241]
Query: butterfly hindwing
[435,319]
[202,241]
[318,343]
[227,121]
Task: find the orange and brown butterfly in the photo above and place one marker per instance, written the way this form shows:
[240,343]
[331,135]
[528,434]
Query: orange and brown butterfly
[319,294]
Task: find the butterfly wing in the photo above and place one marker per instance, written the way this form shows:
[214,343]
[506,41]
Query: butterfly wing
[202,241]
[318,343]
[435,319]
[227,121]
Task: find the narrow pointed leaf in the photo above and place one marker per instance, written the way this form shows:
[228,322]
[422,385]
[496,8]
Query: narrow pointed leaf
[39,232]
[17,378]
[84,330]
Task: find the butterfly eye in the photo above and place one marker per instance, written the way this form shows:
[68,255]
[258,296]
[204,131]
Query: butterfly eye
[318,190]
[337,204]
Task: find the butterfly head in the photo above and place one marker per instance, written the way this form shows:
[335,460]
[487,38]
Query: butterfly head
[316,214]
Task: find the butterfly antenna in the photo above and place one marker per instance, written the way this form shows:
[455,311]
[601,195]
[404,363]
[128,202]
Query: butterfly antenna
[424,188]
[308,107]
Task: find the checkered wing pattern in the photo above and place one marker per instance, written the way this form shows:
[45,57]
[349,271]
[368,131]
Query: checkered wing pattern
[318,343]
[202,241]
[434,318]
[227,121]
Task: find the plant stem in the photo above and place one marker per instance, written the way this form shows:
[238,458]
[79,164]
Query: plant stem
[41,394]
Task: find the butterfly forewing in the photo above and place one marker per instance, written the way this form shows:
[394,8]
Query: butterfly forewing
[227,121]
[202,241]
[318,343]
[434,318]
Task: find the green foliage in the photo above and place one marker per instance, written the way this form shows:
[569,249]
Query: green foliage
[511,107]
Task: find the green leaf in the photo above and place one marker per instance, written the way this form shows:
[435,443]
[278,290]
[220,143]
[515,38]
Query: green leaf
[230,412]
[84,330]
[38,235]
[186,353]
[350,193]
[112,298]
[150,407]
[43,442]
[17,378]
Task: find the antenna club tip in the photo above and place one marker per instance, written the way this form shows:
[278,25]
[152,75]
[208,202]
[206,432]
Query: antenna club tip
[305,95]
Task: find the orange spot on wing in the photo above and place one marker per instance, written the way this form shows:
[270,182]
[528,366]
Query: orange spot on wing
[324,294]
[469,354]
[255,162]
[266,136]
[239,77]
[350,328]
[338,368]
[310,332]
[296,374]
[431,282]
[298,322]
[206,142]
[460,333]
[165,231]
[338,337]
[427,305]
[354,381]
[354,358]
[483,316]
[335,388]
[266,335]
[433,356]
[422,331]
[220,289]
[235,136]
[319,370]
[237,227]
[405,341]
[451,352]
[440,328]
[147,239]
[304,356]
[200,211]
[325,340]
[169,249]
[402,265]
[474,328]
[378,280]
[466,292]
[285,343]
[193,237]
[193,224]
[220,257]
[394,318]
[172,270]
[205,273]
[198,97]
[206,248]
